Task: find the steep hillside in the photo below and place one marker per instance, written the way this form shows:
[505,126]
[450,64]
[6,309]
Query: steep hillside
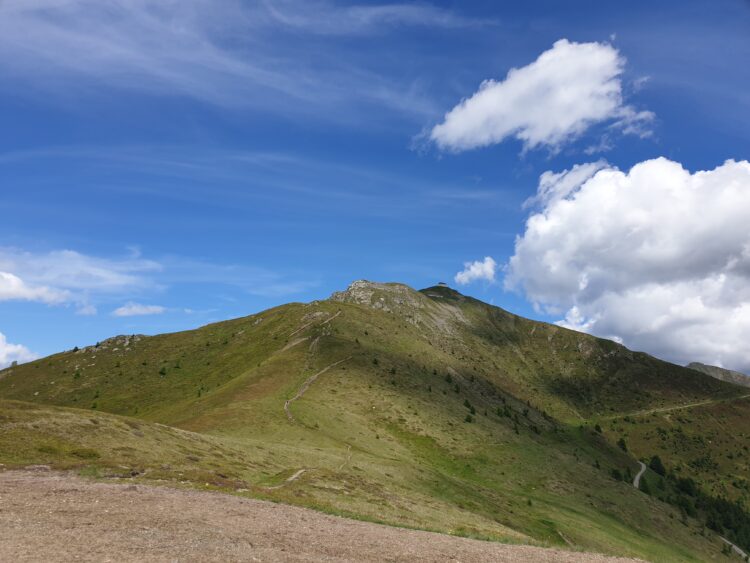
[722,374]
[425,409]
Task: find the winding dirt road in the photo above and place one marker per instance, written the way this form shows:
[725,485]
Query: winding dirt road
[637,480]
[735,548]
[52,517]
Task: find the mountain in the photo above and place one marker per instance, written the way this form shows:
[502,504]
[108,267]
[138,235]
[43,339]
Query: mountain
[722,374]
[425,409]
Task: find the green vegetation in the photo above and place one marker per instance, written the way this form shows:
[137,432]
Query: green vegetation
[437,412]
[657,466]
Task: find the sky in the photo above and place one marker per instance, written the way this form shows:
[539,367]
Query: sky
[166,164]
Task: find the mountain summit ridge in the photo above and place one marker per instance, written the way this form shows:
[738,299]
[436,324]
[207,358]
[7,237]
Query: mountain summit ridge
[722,374]
[426,408]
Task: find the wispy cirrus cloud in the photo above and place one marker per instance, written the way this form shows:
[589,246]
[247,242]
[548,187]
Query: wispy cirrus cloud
[253,280]
[237,177]
[68,277]
[231,54]
[132,309]
[329,19]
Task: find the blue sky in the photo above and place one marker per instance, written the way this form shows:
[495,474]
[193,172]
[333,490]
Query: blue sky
[168,164]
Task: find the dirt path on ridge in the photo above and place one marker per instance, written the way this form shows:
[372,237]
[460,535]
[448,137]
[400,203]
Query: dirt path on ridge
[678,407]
[305,386]
[288,480]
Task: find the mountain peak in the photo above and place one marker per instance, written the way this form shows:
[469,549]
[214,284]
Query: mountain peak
[442,290]
[385,296]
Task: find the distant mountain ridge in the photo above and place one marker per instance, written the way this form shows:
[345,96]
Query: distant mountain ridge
[722,374]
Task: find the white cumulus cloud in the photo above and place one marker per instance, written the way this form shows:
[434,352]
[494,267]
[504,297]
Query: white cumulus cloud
[136,309]
[477,270]
[10,353]
[657,256]
[546,103]
[13,288]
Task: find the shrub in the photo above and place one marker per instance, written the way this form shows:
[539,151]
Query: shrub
[469,418]
[621,443]
[687,486]
[657,466]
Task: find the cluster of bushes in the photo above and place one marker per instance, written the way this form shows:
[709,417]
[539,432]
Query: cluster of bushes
[728,518]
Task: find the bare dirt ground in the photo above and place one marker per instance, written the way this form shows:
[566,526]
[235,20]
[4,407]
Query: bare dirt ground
[48,516]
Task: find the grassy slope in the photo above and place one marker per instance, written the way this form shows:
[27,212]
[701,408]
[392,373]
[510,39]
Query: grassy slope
[383,435]
[707,442]
[100,443]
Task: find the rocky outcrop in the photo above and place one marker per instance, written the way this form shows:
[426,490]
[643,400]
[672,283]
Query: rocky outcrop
[389,297]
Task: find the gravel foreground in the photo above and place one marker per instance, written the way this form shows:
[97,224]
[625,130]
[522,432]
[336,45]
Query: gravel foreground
[47,516]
